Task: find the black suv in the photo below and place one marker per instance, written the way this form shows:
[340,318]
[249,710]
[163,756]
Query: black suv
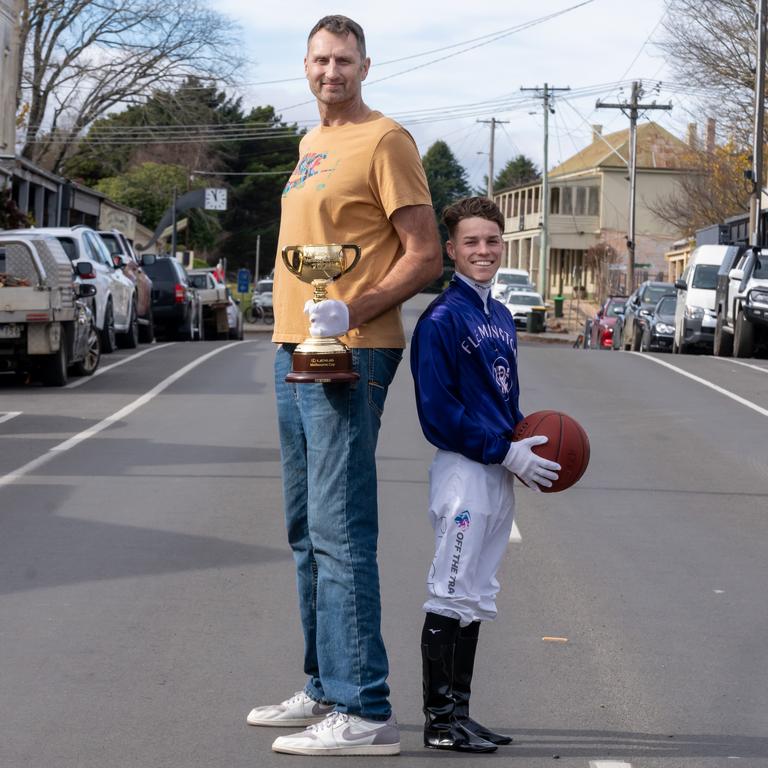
[638,310]
[175,304]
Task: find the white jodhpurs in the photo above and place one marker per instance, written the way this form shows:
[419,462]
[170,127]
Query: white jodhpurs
[471,508]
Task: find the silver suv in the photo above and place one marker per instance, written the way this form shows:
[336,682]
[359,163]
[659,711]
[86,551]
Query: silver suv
[741,303]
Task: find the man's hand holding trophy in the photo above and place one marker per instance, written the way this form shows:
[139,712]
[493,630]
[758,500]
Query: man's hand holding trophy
[322,358]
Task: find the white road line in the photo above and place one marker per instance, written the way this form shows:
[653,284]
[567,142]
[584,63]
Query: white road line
[514,534]
[102,425]
[738,362]
[743,401]
[100,370]
[608,764]
[8,415]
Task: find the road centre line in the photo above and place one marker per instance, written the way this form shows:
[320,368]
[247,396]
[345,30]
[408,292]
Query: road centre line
[739,362]
[100,370]
[743,401]
[8,415]
[104,423]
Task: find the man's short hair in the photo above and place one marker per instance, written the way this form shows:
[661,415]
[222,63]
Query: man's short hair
[340,25]
[471,208]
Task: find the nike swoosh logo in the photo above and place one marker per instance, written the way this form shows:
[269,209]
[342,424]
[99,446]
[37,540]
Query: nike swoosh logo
[434,631]
[349,735]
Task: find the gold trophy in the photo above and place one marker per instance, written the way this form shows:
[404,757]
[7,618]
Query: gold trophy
[324,360]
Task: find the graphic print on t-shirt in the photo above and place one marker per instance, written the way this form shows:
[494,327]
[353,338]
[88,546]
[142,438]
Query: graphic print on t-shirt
[308,168]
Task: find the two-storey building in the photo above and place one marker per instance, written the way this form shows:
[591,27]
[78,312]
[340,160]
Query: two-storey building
[589,204]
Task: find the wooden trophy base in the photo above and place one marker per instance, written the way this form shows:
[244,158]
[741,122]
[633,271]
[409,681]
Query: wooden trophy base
[321,361]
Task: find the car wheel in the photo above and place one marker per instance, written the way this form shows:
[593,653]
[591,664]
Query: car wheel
[90,361]
[723,344]
[743,336]
[108,338]
[130,339]
[187,331]
[54,371]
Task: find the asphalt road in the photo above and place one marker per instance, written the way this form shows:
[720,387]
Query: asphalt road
[147,596]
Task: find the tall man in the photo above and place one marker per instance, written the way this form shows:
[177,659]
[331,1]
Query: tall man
[359,180]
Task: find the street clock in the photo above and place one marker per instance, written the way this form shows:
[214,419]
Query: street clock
[215,200]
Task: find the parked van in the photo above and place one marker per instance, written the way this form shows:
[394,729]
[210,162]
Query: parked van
[506,277]
[695,314]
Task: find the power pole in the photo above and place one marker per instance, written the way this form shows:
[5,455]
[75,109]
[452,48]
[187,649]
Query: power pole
[545,94]
[493,122]
[756,174]
[258,255]
[632,110]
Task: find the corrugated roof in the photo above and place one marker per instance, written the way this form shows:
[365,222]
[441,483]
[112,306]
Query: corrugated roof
[657,148]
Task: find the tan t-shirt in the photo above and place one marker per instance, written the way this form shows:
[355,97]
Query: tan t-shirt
[349,181]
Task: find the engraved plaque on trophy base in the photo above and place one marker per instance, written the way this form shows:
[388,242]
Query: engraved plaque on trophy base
[321,361]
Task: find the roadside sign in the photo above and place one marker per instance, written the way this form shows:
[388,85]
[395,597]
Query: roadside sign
[243,280]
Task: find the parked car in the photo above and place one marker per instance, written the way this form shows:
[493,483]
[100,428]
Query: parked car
[520,305]
[603,323]
[176,309]
[659,327]
[638,308]
[695,313]
[46,325]
[213,301]
[234,317]
[507,278]
[124,257]
[741,298]
[115,300]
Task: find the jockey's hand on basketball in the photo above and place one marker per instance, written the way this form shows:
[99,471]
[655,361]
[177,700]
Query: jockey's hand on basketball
[531,468]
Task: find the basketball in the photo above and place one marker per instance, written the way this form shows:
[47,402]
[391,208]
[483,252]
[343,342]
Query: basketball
[568,445]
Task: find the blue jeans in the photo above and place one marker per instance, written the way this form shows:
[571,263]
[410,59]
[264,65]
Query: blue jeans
[328,435]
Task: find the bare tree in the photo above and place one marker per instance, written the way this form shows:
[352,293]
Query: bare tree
[85,57]
[714,190]
[600,257]
[712,48]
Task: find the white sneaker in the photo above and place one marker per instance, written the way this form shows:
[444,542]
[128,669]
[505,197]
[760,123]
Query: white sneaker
[343,734]
[300,709]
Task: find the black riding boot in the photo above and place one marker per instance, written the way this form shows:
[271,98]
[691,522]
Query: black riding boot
[441,729]
[463,667]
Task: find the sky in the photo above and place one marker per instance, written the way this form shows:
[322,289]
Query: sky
[603,43]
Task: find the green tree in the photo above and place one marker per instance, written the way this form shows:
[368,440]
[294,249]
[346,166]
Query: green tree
[447,181]
[518,171]
[149,188]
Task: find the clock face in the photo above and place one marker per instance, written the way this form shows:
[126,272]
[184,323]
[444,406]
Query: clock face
[215,199]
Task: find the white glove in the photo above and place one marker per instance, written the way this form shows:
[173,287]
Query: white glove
[327,318]
[532,469]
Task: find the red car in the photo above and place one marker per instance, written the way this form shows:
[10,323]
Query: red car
[603,323]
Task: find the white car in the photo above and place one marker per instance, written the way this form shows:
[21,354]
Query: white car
[507,278]
[520,304]
[115,300]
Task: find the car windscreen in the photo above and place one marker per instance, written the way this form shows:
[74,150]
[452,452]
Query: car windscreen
[111,242]
[505,278]
[523,299]
[160,269]
[761,267]
[654,292]
[199,281]
[667,305]
[69,247]
[611,311]
[705,277]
